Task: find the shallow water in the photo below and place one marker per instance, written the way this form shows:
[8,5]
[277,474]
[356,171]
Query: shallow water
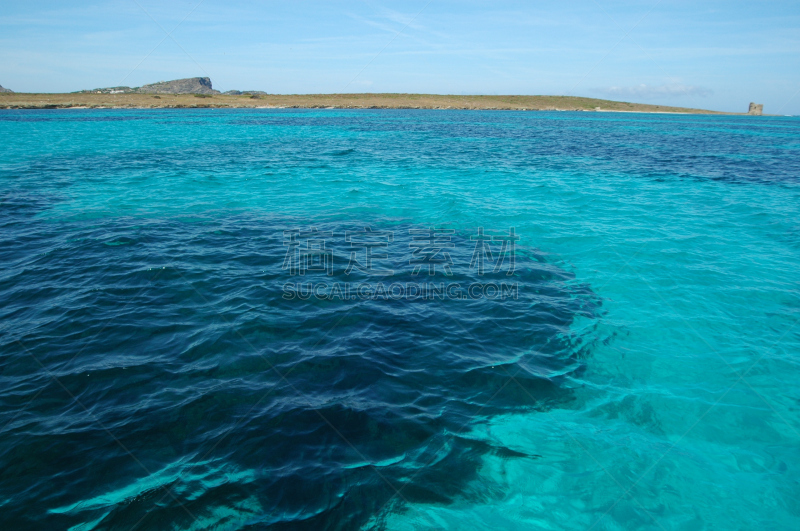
[639,372]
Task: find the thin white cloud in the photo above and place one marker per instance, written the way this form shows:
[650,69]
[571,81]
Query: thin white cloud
[654,91]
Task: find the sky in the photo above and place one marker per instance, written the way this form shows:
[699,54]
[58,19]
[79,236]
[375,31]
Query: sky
[718,55]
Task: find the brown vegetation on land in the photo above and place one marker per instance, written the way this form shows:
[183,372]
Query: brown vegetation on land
[339,101]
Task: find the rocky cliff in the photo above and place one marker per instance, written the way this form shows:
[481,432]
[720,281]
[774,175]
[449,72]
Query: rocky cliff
[5,89]
[192,85]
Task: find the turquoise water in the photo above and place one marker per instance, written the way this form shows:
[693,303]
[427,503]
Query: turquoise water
[153,374]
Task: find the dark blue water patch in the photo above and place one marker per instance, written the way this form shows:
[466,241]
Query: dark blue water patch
[720,148]
[155,373]
[727,149]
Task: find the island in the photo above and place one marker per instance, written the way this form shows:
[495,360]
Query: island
[195,93]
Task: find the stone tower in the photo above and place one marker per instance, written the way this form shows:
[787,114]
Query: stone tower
[756,108]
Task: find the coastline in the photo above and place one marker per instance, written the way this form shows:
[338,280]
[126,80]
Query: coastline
[333,101]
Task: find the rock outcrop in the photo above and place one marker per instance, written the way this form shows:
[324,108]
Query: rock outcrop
[5,89]
[192,85]
[756,109]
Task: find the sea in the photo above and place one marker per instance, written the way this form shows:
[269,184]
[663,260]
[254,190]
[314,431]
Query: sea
[328,319]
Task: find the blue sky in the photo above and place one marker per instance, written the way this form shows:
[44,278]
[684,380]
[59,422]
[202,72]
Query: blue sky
[718,55]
